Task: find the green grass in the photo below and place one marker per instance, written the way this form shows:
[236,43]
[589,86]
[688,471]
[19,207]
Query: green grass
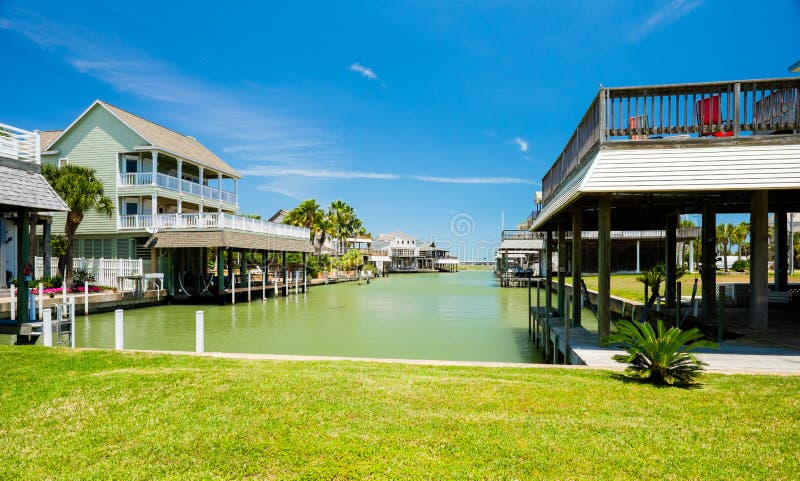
[104,415]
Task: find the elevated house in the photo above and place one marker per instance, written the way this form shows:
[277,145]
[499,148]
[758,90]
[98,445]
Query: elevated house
[407,254]
[25,194]
[642,156]
[174,200]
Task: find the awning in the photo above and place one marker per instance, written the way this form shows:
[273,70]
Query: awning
[227,238]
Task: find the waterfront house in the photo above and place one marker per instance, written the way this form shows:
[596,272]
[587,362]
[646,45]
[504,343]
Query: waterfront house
[642,156]
[170,194]
[25,193]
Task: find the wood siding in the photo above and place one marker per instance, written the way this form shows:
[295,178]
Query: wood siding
[95,142]
[694,169]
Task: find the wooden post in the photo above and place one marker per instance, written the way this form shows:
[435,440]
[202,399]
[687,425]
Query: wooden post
[285,275]
[47,327]
[220,276]
[604,269]
[23,252]
[538,309]
[678,317]
[577,265]
[758,260]
[548,249]
[41,300]
[86,298]
[249,287]
[709,249]
[782,249]
[562,267]
[530,314]
[305,274]
[721,315]
[670,254]
[566,327]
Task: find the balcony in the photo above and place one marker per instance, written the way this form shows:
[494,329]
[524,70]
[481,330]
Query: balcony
[175,184]
[210,220]
[18,144]
[695,112]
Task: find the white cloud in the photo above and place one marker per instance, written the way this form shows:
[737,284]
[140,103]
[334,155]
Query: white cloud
[523,144]
[667,13]
[365,71]
[266,171]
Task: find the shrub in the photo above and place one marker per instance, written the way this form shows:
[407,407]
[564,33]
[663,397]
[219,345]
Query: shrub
[81,276]
[661,356]
[741,265]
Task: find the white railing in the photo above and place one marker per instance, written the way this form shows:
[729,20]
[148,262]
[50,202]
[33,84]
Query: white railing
[210,220]
[172,183]
[105,271]
[18,144]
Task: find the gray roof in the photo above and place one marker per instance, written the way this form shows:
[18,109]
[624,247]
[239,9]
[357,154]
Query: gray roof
[25,187]
[228,238]
[519,245]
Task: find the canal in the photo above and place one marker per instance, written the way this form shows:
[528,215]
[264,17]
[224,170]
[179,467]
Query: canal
[455,316]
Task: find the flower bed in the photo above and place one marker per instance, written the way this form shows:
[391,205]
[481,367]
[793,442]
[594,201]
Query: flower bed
[58,290]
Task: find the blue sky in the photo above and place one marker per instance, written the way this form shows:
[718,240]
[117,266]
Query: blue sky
[434,118]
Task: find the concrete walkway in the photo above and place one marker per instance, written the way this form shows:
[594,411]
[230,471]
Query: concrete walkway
[732,357]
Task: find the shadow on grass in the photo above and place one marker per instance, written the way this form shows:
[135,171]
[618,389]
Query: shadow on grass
[635,380]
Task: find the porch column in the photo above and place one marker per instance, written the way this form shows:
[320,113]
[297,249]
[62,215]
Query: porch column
[180,206]
[638,257]
[548,273]
[758,259]
[180,178]
[220,276]
[219,192]
[23,248]
[708,233]
[604,268]
[670,252]
[48,251]
[285,280]
[154,206]
[577,267]
[562,267]
[202,182]
[782,250]
[3,237]
[155,165]
[231,279]
[691,257]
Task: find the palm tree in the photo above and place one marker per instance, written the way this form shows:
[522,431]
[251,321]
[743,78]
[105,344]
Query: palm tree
[725,234]
[343,222]
[82,191]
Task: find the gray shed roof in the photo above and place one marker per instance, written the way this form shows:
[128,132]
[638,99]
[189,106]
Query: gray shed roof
[26,187]
[227,238]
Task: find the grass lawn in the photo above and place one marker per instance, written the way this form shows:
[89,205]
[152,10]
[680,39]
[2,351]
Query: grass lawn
[626,285]
[104,415]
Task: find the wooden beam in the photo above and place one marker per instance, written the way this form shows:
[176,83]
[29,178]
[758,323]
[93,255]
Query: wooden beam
[709,259]
[577,257]
[758,260]
[604,268]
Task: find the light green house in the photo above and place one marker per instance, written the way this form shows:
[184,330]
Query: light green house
[156,177]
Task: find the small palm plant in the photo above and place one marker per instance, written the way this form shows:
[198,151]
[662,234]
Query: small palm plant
[661,356]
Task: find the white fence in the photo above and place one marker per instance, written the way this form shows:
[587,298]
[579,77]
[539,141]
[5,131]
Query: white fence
[18,144]
[105,271]
[210,220]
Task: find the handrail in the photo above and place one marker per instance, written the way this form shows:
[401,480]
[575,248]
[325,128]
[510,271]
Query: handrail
[173,183]
[19,144]
[210,220]
[710,110]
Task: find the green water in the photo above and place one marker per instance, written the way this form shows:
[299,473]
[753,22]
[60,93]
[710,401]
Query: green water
[457,316]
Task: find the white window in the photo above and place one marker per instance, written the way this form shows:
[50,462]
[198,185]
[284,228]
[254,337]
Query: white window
[63,161]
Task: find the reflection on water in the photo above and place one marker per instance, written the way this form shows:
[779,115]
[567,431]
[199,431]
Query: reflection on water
[457,316]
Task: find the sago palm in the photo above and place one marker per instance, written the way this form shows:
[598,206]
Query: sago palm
[659,356]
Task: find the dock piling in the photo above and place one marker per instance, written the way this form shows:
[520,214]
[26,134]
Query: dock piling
[41,301]
[199,321]
[63,292]
[118,330]
[249,287]
[47,327]
[86,298]
[71,321]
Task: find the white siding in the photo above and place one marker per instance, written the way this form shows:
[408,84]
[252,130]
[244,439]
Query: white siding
[698,168]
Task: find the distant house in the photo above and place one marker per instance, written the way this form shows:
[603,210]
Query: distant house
[411,255]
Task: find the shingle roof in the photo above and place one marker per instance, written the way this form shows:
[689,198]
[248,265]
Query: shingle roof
[228,238]
[159,137]
[46,137]
[172,141]
[27,188]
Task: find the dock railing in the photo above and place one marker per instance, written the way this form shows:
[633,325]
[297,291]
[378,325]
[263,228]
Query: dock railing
[18,144]
[715,110]
[209,220]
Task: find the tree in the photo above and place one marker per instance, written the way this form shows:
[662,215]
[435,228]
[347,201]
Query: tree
[352,260]
[344,222]
[310,215]
[82,191]
[725,233]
